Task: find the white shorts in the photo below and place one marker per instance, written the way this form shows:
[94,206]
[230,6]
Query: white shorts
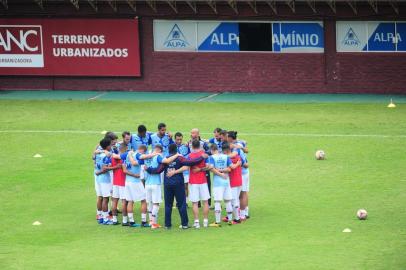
[198,192]
[235,193]
[222,193]
[103,189]
[153,193]
[186,178]
[111,176]
[245,182]
[142,172]
[118,192]
[134,192]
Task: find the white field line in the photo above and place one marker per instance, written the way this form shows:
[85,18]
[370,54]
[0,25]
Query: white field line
[209,133]
[97,96]
[208,97]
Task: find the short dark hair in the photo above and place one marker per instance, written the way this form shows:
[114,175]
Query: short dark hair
[178,134]
[195,144]
[105,142]
[159,146]
[172,149]
[111,135]
[142,129]
[223,132]
[161,125]
[142,146]
[213,147]
[217,130]
[125,133]
[225,146]
[232,134]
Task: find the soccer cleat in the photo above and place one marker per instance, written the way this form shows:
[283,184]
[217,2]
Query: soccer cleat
[247,217]
[230,223]
[135,225]
[100,221]
[99,217]
[215,224]
[235,221]
[183,227]
[107,222]
[116,223]
[145,224]
[196,225]
[155,226]
[225,219]
[124,224]
[243,218]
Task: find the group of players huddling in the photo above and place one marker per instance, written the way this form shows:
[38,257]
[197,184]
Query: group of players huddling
[134,169]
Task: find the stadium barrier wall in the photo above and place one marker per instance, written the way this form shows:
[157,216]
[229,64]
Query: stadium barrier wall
[328,72]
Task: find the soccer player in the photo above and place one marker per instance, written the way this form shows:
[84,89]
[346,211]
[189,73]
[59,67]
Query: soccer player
[153,183]
[119,183]
[174,185]
[162,138]
[103,182]
[223,137]
[195,135]
[184,151]
[126,135]
[221,184]
[198,188]
[142,137]
[239,146]
[235,183]
[216,139]
[134,188]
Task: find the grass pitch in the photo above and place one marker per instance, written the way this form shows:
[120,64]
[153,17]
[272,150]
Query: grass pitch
[299,206]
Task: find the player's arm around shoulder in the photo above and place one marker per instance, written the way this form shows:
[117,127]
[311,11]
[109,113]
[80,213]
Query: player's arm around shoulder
[170,159]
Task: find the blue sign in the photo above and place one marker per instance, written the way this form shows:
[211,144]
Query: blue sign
[298,37]
[223,38]
[401,36]
[382,38]
[276,33]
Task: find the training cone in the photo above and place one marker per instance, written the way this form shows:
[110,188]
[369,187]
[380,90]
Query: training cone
[347,230]
[391,104]
[36,223]
[37,156]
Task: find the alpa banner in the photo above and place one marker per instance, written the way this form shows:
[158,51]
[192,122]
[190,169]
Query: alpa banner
[71,47]
[356,36]
[222,36]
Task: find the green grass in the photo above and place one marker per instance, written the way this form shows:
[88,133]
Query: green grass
[299,206]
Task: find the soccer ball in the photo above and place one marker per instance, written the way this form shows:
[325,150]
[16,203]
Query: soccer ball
[362,214]
[320,155]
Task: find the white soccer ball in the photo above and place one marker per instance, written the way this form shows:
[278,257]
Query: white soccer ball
[362,214]
[320,155]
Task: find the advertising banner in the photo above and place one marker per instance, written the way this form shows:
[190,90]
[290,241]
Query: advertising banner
[174,35]
[298,37]
[229,36]
[356,36]
[69,47]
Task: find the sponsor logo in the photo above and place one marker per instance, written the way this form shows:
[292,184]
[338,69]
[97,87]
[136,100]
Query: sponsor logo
[21,46]
[175,38]
[351,38]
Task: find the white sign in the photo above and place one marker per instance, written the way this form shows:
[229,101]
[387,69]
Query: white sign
[351,36]
[174,35]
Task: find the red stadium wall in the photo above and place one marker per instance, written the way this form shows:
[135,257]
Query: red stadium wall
[329,72]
